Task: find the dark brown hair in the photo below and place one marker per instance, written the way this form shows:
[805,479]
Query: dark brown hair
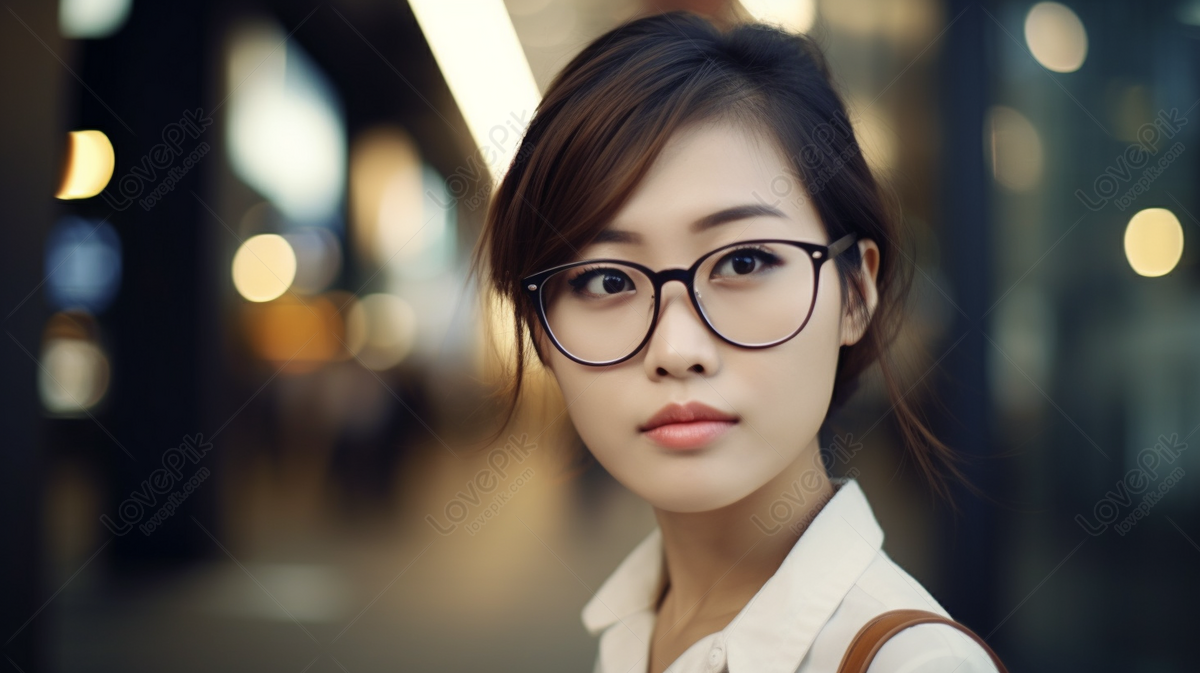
[608,114]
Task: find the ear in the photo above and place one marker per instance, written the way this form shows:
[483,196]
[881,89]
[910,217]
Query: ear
[853,324]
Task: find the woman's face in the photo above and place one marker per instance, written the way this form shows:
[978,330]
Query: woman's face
[778,396]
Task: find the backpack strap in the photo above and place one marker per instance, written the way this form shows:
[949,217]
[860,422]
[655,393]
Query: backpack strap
[876,632]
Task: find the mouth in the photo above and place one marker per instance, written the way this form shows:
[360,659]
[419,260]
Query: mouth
[687,426]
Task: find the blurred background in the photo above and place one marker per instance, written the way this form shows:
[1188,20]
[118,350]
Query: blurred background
[247,384]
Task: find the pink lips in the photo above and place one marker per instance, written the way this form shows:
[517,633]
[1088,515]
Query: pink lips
[688,426]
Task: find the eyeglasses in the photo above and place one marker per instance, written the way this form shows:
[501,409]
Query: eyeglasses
[753,294]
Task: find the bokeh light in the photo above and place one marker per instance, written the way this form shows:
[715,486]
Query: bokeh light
[1014,149]
[1056,37]
[302,333]
[427,249]
[382,328]
[1153,242]
[876,138]
[384,163]
[911,23]
[92,18]
[83,264]
[89,165]
[264,267]
[286,133]
[73,375]
[318,258]
[794,15]
[402,211]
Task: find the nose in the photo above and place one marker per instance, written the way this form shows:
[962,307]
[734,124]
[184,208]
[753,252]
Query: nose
[681,345]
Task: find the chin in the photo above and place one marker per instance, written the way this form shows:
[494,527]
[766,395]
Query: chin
[690,491]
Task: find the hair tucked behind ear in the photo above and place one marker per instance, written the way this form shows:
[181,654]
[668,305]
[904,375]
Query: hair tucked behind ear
[604,120]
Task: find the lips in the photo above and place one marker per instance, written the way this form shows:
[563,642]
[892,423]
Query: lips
[687,426]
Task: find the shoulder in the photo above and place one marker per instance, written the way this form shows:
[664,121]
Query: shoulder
[925,648]
[886,583]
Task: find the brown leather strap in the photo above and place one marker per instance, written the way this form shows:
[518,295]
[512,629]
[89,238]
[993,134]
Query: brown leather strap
[876,632]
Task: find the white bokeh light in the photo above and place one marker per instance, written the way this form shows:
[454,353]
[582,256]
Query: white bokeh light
[1056,37]
[92,18]
[286,135]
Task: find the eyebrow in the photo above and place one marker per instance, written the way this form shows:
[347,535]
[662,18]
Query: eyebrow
[707,222]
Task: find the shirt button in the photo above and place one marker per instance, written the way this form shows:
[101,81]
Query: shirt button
[716,658]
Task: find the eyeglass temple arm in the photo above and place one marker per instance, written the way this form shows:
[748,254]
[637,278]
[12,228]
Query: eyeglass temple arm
[839,246]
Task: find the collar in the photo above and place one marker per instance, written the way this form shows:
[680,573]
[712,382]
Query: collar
[775,630]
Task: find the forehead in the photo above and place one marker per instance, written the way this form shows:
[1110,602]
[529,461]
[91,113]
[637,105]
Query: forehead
[708,168]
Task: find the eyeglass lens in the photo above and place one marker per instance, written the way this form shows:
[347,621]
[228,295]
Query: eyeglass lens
[752,294]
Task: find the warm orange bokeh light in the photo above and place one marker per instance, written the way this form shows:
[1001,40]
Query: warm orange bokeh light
[303,334]
[89,165]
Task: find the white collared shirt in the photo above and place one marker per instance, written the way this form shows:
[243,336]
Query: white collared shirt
[833,581]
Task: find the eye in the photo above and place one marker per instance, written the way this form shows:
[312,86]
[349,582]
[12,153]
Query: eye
[602,282]
[745,261]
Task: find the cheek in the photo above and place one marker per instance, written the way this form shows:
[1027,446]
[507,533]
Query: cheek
[787,389]
[589,393]
[791,384]
[605,409]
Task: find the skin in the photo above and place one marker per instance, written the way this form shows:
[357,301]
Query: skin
[717,558]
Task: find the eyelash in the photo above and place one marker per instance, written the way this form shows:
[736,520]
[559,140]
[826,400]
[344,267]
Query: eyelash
[768,257]
[763,255]
[581,274]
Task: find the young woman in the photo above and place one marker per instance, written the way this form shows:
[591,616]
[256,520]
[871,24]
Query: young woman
[694,246]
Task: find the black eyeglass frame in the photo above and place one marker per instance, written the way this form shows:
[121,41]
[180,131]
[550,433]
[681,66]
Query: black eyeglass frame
[818,254]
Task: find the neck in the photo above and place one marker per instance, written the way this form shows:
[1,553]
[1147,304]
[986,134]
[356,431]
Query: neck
[717,560]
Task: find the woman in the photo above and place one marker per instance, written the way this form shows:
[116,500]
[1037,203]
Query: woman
[695,247]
